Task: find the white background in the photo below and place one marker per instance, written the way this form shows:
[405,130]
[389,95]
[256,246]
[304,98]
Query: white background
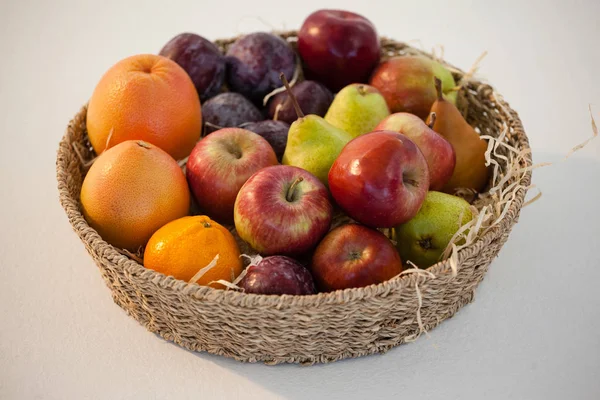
[533,331]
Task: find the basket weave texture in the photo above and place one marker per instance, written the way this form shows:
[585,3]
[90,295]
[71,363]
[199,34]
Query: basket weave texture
[299,329]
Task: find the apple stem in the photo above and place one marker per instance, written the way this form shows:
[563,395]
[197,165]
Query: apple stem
[290,193]
[438,88]
[361,90]
[432,118]
[291,96]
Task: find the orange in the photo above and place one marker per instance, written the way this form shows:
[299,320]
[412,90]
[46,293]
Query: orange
[146,97]
[185,246]
[131,191]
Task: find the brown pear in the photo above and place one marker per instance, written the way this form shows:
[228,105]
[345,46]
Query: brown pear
[470,171]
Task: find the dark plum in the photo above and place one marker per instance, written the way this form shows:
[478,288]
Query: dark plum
[278,275]
[275,132]
[254,63]
[228,110]
[201,59]
[312,97]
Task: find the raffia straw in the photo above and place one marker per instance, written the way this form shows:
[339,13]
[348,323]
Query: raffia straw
[129,254]
[85,164]
[585,143]
[257,18]
[420,273]
[254,260]
[434,53]
[282,89]
[183,161]
[204,270]
[110,135]
[534,198]
[277,109]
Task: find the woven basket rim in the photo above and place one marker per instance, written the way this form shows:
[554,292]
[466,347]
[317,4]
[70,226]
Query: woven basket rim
[109,254]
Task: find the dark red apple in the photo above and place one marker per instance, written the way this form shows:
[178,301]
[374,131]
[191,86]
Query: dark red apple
[221,163]
[282,210]
[380,179]
[278,275]
[354,256]
[338,47]
[438,152]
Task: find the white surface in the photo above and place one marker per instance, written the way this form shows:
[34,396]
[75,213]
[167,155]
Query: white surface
[532,332]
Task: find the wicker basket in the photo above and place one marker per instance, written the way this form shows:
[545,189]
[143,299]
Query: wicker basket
[300,329]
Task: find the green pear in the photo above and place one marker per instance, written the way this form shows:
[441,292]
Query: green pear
[313,144]
[357,109]
[424,238]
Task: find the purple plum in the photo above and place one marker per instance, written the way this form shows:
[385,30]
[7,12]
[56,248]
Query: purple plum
[228,110]
[254,63]
[201,59]
[275,132]
[278,275]
[312,97]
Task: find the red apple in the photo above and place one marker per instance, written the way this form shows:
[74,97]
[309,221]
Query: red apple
[354,256]
[407,84]
[221,163]
[438,152]
[338,47]
[282,210]
[380,179]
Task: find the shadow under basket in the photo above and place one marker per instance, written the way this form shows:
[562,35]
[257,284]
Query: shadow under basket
[307,329]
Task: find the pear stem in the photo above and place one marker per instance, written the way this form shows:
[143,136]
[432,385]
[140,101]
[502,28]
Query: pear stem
[432,118]
[438,88]
[361,90]
[290,193]
[291,96]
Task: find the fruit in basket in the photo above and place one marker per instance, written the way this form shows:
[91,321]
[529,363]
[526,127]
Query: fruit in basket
[357,109]
[313,98]
[405,82]
[313,143]
[338,47]
[130,191]
[424,238]
[201,59]
[380,179]
[282,210]
[145,97]
[470,171]
[278,275]
[353,256]
[195,250]
[254,63]
[438,152]
[221,163]
[227,110]
[275,132]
